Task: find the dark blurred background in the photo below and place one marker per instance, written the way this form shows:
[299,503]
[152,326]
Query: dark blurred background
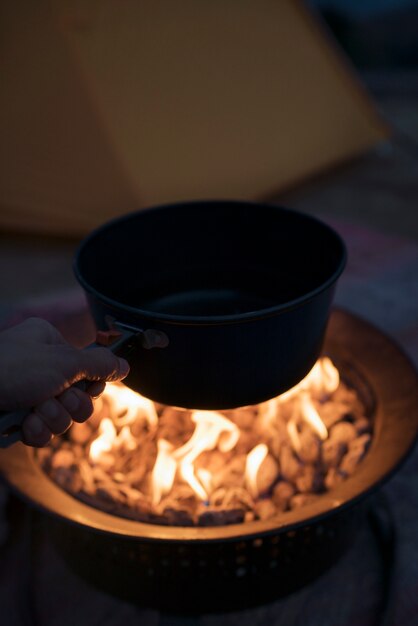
[377,191]
[374,33]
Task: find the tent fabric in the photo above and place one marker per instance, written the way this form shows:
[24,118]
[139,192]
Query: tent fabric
[110,106]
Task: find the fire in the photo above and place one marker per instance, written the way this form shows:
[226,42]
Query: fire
[210,425]
[182,467]
[163,474]
[187,472]
[108,439]
[213,431]
[268,411]
[205,478]
[311,416]
[323,379]
[253,463]
[105,440]
[125,439]
[128,405]
[292,430]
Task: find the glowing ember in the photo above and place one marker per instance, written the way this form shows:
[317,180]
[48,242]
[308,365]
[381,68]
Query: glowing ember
[253,463]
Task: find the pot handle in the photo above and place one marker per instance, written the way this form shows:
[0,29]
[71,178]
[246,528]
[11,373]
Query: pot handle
[121,339]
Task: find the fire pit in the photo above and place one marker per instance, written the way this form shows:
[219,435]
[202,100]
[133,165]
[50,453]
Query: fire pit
[179,467]
[263,556]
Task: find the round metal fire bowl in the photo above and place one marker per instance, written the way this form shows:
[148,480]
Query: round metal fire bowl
[240,564]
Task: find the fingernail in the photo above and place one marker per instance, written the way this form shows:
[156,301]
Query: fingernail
[72,401]
[36,426]
[49,409]
[123,368]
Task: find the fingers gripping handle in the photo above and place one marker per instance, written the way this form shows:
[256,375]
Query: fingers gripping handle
[11,422]
[121,339]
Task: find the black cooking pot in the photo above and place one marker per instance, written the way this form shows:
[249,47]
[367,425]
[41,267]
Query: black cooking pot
[228,300]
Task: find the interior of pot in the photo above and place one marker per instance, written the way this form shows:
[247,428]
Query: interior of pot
[210,258]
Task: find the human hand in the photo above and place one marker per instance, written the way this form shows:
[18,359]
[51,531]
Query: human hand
[37,369]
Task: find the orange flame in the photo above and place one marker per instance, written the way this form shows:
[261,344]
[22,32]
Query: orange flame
[311,416]
[164,471]
[125,439]
[187,472]
[293,433]
[205,478]
[212,430]
[252,465]
[323,379]
[267,412]
[105,440]
[210,425]
[129,405]
[109,439]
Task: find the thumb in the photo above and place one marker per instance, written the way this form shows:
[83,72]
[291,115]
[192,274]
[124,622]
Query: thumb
[102,364]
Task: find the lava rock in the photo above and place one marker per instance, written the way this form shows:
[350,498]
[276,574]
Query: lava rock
[265,509]
[218,517]
[267,474]
[334,477]
[290,466]
[282,493]
[343,432]
[332,452]
[302,499]
[310,447]
[311,480]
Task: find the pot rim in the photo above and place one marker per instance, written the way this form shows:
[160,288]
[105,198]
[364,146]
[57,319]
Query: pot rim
[202,320]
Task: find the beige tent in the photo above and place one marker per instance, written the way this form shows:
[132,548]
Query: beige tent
[108,106]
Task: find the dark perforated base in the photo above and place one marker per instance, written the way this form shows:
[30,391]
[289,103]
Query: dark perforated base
[209,576]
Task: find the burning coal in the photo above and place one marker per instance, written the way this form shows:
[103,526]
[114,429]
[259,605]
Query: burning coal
[172,466]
